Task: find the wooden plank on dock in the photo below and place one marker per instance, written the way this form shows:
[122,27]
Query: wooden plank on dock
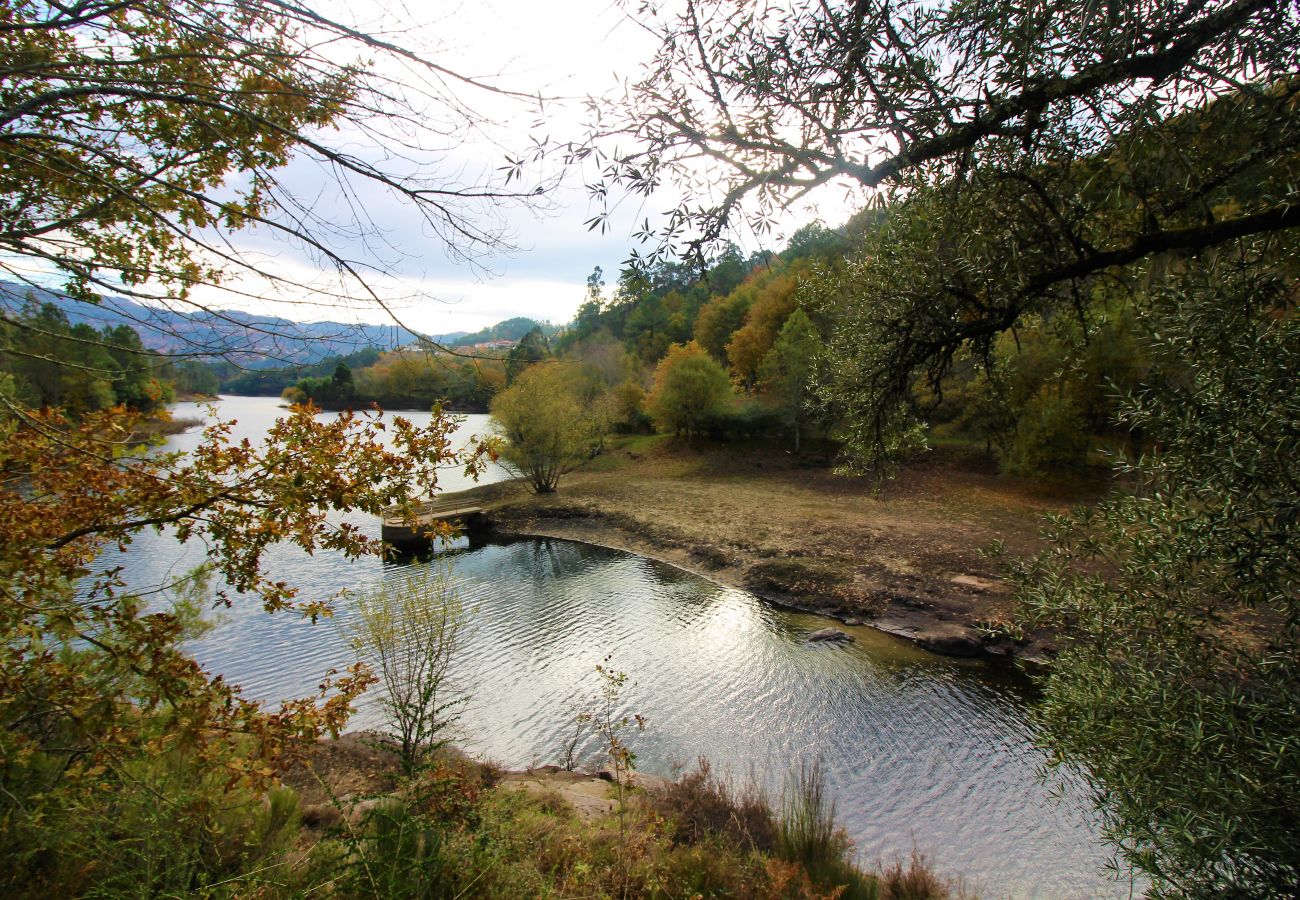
[413,533]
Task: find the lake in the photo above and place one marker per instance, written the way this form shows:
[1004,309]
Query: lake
[922,752]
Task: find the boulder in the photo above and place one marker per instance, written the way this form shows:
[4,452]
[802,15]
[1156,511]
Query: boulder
[828,634]
[951,640]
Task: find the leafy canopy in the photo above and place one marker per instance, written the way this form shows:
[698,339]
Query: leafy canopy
[1037,163]
[691,391]
[136,136]
[553,418]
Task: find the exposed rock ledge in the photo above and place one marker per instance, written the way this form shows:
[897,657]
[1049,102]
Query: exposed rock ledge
[903,616]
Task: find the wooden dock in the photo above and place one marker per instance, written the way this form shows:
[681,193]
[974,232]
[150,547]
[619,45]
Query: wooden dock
[413,534]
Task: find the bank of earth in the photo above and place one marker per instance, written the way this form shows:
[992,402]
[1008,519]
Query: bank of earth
[909,559]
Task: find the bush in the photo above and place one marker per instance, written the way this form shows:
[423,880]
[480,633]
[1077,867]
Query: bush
[551,420]
[627,409]
[747,420]
[1051,436]
[700,805]
[409,632]
[150,826]
[690,391]
[807,835]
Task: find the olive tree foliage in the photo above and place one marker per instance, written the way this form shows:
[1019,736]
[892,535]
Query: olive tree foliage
[1179,683]
[747,107]
[137,137]
[553,418]
[1028,156]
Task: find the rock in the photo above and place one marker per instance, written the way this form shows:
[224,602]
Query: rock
[359,810]
[852,622]
[319,816]
[951,641]
[975,584]
[828,634]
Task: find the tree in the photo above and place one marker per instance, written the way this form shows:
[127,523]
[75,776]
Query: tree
[552,422]
[94,680]
[765,102]
[342,381]
[1179,681]
[1034,156]
[789,371]
[775,299]
[138,136]
[587,319]
[1026,155]
[408,632]
[532,348]
[721,317]
[690,392]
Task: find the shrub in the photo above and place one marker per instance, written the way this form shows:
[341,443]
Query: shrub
[690,391]
[1051,436]
[807,834]
[551,421]
[700,804]
[627,409]
[409,631]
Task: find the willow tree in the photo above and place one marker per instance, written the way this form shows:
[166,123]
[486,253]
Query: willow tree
[1028,158]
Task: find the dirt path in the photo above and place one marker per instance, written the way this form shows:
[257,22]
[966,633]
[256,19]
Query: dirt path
[907,561]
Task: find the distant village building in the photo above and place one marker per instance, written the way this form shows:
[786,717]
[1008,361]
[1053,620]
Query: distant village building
[500,344]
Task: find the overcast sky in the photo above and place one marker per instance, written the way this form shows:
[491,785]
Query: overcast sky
[571,49]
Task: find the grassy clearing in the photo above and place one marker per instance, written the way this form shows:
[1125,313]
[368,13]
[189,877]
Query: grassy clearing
[908,558]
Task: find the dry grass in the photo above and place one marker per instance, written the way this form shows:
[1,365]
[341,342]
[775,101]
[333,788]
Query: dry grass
[700,804]
[788,528]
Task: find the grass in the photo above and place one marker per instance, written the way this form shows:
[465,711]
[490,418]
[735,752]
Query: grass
[457,830]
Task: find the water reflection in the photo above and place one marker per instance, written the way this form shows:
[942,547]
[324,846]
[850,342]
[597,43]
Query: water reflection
[921,752]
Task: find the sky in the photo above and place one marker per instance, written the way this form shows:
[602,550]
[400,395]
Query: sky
[569,50]
[565,51]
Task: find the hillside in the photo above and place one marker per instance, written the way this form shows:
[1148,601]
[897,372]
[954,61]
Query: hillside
[252,341]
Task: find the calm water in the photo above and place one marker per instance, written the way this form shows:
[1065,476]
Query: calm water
[922,752]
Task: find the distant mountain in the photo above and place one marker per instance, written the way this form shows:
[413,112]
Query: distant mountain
[509,330]
[252,341]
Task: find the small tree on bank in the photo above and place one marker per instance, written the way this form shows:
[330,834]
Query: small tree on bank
[553,420]
[789,370]
[408,633]
[690,392]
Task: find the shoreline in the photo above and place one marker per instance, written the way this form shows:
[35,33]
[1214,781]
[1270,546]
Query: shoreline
[933,635]
[905,561]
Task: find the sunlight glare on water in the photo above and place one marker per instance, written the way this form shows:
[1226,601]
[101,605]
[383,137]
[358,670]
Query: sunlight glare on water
[921,752]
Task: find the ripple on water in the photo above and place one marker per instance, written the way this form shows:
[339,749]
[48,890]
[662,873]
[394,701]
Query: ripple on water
[921,752]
